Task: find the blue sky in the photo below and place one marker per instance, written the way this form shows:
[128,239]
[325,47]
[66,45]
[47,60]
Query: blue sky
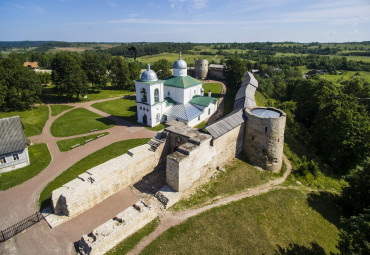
[185,20]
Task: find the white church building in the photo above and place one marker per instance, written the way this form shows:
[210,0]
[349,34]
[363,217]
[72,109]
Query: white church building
[178,97]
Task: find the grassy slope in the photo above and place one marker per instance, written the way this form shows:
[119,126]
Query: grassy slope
[39,157]
[237,177]
[79,121]
[124,108]
[129,243]
[33,119]
[94,159]
[65,145]
[256,225]
[56,109]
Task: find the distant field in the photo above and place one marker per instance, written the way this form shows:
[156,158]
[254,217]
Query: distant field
[347,75]
[359,58]
[172,57]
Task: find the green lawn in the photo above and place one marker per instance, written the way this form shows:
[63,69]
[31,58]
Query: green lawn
[39,159]
[201,125]
[264,224]
[56,109]
[124,108]
[79,121]
[65,145]
[216,89]
[129,243]
[237,177]
[50,96]
[33,119]
[112,151]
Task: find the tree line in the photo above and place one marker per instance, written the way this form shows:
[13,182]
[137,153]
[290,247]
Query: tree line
[73,75]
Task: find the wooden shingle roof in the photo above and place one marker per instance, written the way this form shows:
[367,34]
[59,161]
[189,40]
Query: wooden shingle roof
[11,135]
[226,124]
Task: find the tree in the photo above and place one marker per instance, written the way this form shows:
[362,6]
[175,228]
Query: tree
[341,131]
[355,235]
[45,78]
[135,72]
[20,87]
[68,75]
[95,70]
[356,196]
[162,68]
[234,73]
[119,74]
[309,95]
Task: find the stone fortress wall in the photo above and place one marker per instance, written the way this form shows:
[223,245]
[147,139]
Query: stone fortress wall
[191,156]
[107,179]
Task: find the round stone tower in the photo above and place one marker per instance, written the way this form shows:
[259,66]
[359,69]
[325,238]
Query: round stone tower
[264,137]
[201,68]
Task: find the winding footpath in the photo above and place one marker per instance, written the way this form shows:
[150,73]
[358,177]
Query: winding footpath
[169,219]
[21,201]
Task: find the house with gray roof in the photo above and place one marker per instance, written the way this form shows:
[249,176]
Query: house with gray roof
[13,145]
[178,97]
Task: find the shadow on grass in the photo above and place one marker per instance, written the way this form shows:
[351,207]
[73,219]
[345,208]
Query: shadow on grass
[106,121]
[327,204]
[45,203]
[296,249]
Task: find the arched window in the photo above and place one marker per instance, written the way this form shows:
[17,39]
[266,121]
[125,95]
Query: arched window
[157,117]
[143,95]
[156,95]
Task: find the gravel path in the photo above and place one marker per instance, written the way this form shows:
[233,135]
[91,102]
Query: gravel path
[169,219]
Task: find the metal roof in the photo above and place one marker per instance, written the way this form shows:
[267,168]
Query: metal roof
[266,113]
[226,124]
[215,66]
[203,101]
[181,82]
[185,112]
[249,79]
[148,75]
[12,137]
[180,64]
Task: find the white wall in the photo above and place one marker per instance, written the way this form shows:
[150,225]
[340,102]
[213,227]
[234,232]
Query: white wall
[12,164]
[180,95]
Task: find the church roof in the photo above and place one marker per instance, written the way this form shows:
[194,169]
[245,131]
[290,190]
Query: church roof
[185,112]
[203,101]
[12,137]
[180,64]
[148,75]
[181,82]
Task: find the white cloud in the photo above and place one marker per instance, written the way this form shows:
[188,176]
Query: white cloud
[339,15]
[190,4]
